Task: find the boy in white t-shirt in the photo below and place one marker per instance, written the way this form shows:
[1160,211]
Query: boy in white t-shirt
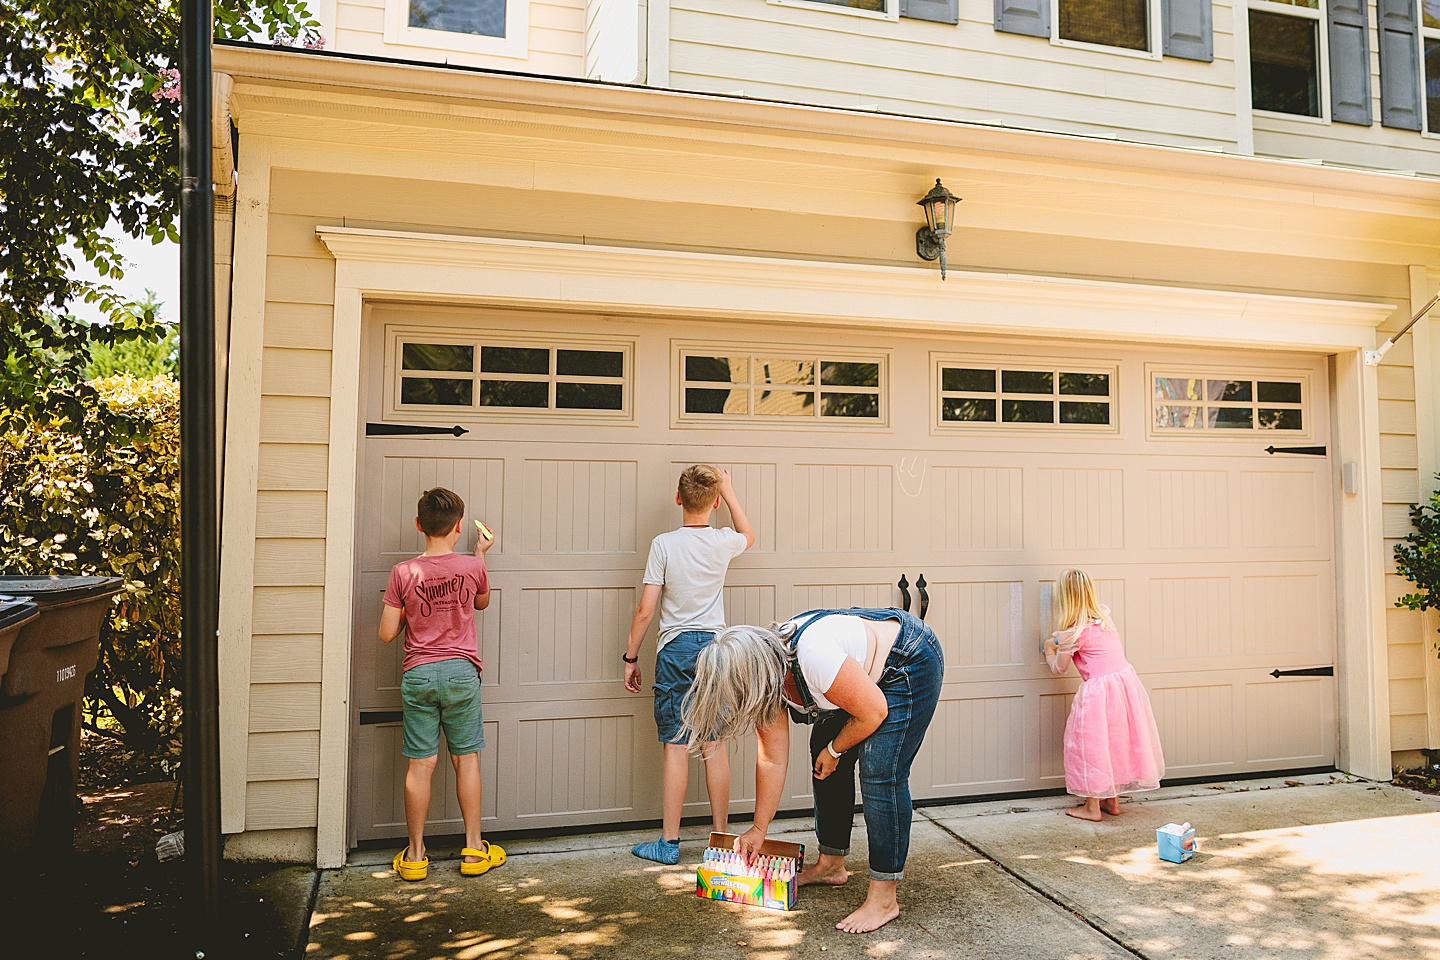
[685,576]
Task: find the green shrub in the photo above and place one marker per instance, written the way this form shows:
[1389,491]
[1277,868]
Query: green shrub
[66,511]
[1417,558]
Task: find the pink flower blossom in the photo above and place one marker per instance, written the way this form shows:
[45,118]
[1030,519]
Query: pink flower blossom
[317,42]
[169,88]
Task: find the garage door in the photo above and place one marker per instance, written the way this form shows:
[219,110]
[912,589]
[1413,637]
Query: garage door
[985,466]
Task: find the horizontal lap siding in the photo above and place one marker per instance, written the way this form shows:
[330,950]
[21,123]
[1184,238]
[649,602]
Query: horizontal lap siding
[556,39]
[283,760]
[967,71]
[1400,487]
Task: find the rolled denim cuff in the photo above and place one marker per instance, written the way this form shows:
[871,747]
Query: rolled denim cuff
[877,875]
[833,851]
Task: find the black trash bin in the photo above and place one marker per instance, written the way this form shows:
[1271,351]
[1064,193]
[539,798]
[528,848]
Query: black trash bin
[41,694]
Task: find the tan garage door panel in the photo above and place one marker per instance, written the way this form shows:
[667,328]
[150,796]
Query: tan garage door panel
[1216,559]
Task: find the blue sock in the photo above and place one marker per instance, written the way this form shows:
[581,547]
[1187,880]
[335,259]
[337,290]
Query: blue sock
[661,851]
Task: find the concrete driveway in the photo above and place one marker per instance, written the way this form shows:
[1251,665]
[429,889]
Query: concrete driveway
[1319,869]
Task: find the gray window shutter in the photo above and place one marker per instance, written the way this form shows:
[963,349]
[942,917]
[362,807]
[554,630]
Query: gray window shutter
[1187,28]
[1399,64]
[1349,61]
[1030,17]
[940,11]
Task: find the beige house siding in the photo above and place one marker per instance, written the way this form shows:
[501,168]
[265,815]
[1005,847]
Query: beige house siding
[1399,487]
[967,71]
[557,38]
[283,750]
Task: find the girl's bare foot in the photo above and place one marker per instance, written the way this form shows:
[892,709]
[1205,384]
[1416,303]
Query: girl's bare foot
[832,875]
[1111,805]
[878,909]
[1084,811]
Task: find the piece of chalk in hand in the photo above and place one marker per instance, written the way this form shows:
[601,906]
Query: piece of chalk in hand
[484,530]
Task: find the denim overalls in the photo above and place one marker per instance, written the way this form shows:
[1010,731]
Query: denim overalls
[911,683]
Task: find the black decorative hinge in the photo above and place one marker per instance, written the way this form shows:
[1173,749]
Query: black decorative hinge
[1306,451]
[1305,672]
[904,586]
[411,430]
[920,585]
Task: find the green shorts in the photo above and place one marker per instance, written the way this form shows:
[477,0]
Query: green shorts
[445,694]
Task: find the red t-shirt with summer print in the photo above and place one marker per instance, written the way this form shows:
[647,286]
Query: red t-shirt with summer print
[438,597]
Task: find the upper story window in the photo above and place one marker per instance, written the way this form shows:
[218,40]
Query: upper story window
[485,18]
[493,376]
[497,28]
[877,9]
[1186,402]
[1024,393]
[1286,50]
[1105,23]
[1132,28]
[781,385]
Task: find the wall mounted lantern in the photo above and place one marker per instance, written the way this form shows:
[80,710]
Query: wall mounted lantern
[939,207]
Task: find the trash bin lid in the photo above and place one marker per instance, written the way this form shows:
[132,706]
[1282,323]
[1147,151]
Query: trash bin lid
[14,610]
[57,589]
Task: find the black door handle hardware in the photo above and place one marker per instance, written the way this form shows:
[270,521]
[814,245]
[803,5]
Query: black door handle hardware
[920,585]
[1305,672]
[411,430]
[368,717]
[904,586]
[1307,451]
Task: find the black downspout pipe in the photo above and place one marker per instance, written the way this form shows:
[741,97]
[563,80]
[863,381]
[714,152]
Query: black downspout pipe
[199,532]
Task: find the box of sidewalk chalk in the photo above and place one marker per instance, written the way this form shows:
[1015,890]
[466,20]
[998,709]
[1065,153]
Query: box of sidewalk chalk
[1176,842]
[767,881]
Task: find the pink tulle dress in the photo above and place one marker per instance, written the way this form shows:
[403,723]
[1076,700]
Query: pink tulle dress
[1112,745]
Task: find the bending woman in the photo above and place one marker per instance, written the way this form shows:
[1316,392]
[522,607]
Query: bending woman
[869,679]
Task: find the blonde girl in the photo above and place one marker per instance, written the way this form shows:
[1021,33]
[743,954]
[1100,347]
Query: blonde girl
[1112,745]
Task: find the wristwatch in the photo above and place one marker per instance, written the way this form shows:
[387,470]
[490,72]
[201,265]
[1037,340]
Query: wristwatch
[830,749]
[629,659]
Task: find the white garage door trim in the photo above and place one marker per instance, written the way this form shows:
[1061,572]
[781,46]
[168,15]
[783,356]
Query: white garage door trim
[378,265]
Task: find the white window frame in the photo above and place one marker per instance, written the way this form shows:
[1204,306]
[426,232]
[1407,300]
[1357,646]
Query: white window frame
[1224,372]
[393,409]
[1322,64]
[680,349]
[515,44]
[892,8]
[1422,34]
[1000,363]
[1152,22]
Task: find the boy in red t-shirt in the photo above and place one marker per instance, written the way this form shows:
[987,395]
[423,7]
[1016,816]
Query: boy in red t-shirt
[434,597]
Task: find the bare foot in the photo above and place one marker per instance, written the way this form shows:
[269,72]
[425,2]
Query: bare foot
[1111,805]
[1083,812]
[870,916]
[829,876]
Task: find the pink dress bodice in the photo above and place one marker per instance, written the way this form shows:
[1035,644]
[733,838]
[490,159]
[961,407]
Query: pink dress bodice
[1098,651]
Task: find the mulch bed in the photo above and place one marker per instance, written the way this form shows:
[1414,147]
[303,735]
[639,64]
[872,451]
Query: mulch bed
[1426,781]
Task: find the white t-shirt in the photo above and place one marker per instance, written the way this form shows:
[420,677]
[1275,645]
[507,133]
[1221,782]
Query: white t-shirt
[690,563]
[823,648]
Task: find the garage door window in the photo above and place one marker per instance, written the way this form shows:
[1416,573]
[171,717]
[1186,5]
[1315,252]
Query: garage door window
[781,387]
[498,377]
[975,394]
[1190,403]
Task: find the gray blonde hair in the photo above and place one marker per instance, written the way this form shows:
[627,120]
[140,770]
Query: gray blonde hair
[738,682]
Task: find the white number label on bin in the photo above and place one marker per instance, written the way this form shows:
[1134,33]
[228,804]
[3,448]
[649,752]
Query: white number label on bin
[65,673]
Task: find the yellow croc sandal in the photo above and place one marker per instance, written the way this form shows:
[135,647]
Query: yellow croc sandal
[492,856]
[410,869]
